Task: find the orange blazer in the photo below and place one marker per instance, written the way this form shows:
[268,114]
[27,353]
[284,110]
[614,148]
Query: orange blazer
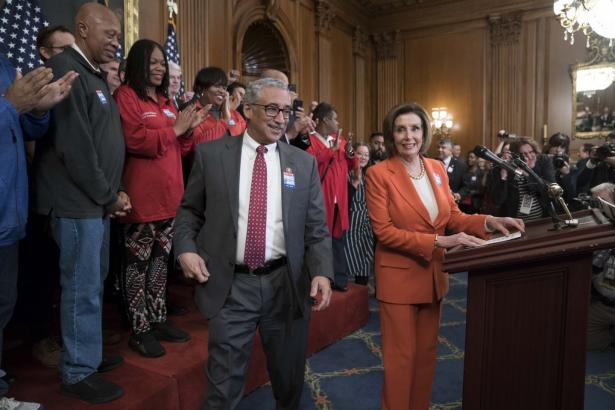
[407,265]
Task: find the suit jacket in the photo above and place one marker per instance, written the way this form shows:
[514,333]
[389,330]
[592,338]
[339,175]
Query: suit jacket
[408,265]
[456,169]
[206,221]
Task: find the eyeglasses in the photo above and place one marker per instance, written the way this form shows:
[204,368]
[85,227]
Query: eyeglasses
[273,110]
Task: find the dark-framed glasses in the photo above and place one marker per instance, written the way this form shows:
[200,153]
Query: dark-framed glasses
[273,110]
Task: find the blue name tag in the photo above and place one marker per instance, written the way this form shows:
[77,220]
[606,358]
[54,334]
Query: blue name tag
[289,178]
[101,97]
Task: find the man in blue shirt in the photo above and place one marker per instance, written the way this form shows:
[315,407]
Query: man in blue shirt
[24,102]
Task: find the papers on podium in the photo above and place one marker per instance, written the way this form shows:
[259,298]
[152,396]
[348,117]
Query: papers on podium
[497,238]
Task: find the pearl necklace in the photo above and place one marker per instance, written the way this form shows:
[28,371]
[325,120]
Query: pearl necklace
[420,175]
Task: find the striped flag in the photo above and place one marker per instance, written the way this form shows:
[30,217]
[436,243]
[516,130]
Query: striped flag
[171,48]
[20,22]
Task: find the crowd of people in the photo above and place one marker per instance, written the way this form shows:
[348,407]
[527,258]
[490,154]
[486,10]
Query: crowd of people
[265,205]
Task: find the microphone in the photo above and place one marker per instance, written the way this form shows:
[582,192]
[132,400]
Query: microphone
[485,153]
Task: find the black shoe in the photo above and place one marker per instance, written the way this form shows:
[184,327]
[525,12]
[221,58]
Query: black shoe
[164,331]
[146,345]
[93,389]
[109,363]
[176,310]
[339,288]
[361,280]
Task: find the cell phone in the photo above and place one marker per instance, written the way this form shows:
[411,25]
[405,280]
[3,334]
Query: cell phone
[297,104]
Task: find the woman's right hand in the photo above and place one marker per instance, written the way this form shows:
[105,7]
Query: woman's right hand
[184,120]
[461,238]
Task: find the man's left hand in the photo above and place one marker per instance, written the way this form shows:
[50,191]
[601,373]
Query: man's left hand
[322,285]
[504,225]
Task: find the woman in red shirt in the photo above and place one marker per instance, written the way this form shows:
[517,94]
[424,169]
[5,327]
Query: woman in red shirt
[210,88]
[156,138]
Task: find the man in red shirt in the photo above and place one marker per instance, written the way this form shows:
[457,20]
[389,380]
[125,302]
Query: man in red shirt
[335,158]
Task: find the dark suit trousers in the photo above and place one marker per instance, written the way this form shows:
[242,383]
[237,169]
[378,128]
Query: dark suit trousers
[231,337]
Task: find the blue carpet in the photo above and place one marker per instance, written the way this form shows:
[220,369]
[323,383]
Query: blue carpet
[348,374]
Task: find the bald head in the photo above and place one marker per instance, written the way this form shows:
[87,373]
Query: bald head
[275,74]
[97,32]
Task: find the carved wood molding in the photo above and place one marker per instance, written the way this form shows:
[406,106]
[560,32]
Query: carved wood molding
[505,29]
[325,15]
[272,8]
[359,41]
[386,44]
[131,23]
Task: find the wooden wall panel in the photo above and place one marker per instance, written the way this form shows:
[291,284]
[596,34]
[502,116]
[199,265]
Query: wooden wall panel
[562,56]
[342,78]
[447,70]
[445,57]
[219,33]
[307,48]
[153,20]
[193,38]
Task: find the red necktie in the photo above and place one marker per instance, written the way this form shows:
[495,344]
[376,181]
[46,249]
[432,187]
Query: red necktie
[254,255]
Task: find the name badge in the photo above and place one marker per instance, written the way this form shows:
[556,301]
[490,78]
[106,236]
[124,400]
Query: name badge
[437,178]
[168,113]
[101,97]
[526,205]
[289,178]
[450,169]
[473,178]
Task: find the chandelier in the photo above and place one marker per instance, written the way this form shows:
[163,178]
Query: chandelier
[442,122]
[586,16]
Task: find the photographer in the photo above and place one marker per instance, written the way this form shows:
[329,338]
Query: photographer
[519,195]
[565,175]
[599,168]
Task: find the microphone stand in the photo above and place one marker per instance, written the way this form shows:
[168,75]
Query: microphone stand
[554,194]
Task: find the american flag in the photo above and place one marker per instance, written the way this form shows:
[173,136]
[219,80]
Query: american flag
[171,48]
[119,53]
[20,21]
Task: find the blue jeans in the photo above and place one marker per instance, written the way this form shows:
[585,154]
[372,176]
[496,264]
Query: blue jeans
[84,262]
[8,296]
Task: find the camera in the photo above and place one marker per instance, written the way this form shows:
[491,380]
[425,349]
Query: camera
[560,160]
[605,151]
[505,135]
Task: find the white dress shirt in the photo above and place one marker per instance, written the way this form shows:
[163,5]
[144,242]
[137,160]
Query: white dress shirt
[425,190]
[275,245]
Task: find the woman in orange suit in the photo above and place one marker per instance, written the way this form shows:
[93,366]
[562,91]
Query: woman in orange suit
[410,205]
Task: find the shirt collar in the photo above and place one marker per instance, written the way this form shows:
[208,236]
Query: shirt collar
[251,144]
[77,49]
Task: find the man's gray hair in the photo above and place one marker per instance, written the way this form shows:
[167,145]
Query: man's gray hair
[174,66]
[603,187]
[255,87]
[446,141]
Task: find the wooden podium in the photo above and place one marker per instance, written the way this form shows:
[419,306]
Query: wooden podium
[527,315]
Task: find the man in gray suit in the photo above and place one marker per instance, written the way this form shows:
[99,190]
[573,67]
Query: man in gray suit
[251,229]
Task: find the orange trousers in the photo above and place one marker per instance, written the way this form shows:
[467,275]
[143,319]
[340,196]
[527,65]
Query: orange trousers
[409,343]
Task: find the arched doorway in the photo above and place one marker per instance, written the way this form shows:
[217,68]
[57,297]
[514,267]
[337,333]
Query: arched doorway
[263,47]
